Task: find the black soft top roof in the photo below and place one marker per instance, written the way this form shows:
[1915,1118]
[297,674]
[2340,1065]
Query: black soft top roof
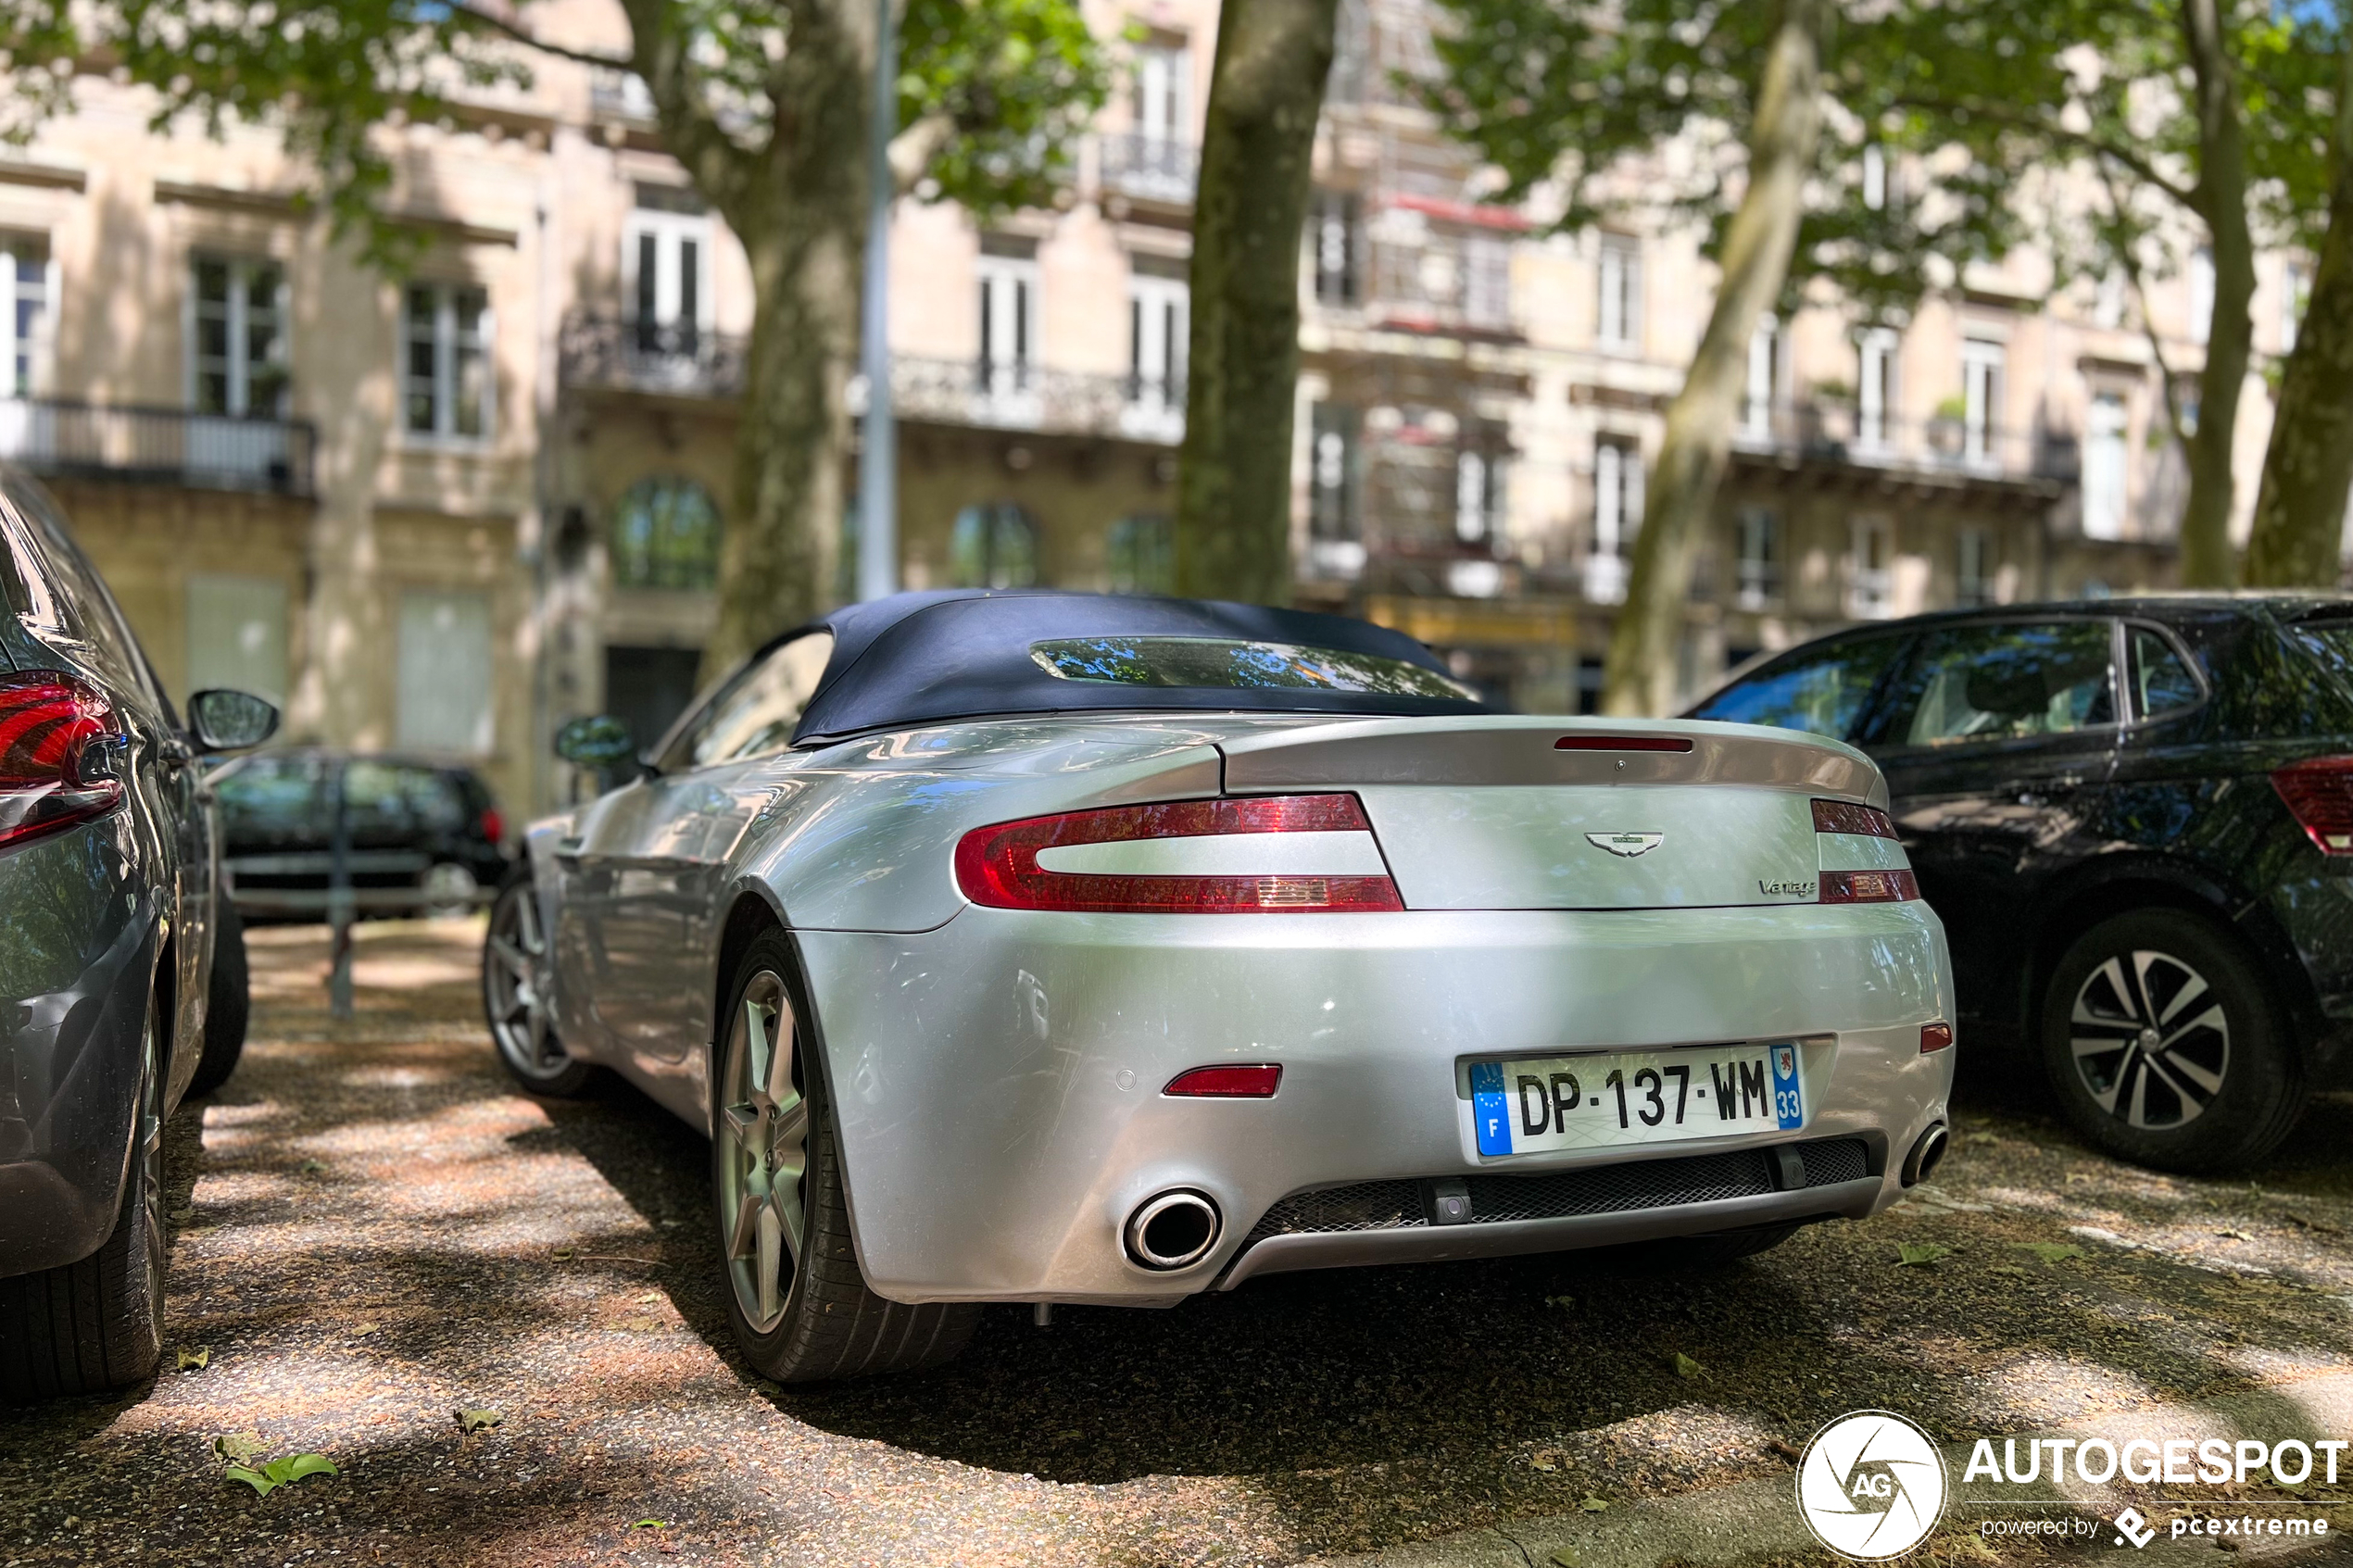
[924,657]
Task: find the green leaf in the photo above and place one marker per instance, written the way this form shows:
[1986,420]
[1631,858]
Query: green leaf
[1918,1254]
[293,1467]
[651,1524]
[196,1360]
[238,1446]
[479,1421]
[262,1484]
[1684,1366]
[1563,1557]
[2051,1251]
[1595,1505]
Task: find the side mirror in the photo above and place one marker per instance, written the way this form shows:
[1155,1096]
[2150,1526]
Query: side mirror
[600,741]
[228,721]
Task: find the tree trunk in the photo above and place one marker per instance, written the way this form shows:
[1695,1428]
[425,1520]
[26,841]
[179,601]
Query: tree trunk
[2299,511]
[2206,558]
[1233,492]
[1645,644]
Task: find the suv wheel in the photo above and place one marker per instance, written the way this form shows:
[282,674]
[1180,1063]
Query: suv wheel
[2163,1048]
[795,1299]
[84,1327]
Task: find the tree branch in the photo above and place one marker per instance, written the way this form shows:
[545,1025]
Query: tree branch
[2132,263]
[2002,114]
[505,29]
[912,150]
[719,168]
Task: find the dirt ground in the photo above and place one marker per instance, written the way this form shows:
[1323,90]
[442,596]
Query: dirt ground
[375,1232]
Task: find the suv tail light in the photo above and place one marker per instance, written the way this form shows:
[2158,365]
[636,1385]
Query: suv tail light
[56,736]
[997,866]
[2320,796]
[494,826]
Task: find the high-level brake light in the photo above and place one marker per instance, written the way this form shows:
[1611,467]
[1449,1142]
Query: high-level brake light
[57,734]
[997,866]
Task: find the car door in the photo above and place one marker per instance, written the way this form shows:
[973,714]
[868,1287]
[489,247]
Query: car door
[2000,739]
[651,860]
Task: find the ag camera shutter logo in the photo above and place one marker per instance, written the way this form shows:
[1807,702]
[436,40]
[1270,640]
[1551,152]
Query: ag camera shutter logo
[1870,1486]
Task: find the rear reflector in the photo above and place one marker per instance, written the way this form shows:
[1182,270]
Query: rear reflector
[1868,887]
[1622,743]
[1255,1082]
[997,866]
[1935,1037]
[2319,796]
[58,739]
[1846,816]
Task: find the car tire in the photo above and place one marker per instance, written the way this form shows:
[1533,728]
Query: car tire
[2190,1085]
[800,1313]
[518,976]
[96,1325]
[1696,1254]
[228,1002]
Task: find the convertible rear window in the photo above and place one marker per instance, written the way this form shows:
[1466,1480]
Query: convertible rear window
[1213,662]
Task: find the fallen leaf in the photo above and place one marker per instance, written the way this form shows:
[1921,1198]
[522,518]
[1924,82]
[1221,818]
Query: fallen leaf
[562,1254]
[1542,1460]
[1981,1140]
[2235,1236]
[1594,1505]
[479,1421]
[1565,1303]
[651,1524]
[195,1359]
[2051,1251]
[2010,1269]
[2320,1225]
[1683,1365]
[365,1328]
[1563,1557]
[1780,1449]
[312,1167]
[278,1473]
[1919,1254]
[1072,1436]
[238,1446]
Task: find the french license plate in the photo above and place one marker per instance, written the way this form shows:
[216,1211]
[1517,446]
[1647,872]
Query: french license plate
[1613,1097]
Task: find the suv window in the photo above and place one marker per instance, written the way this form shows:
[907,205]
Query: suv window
[389,799]
[2006,681]
[756,712]
[1820,689]
[273,797]
[2161,683]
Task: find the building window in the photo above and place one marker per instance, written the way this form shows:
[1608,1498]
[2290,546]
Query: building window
[443,673]
[2104,468]
[1874,386]
[1164,85]
[1352,54]
[1331,473]
[1981,399]
[665,534]
[1486,281]
[1760,557]
[2201,280]
[1764,378]
[25,282]
[1618,517]
[993,546]
[237,634]
[1333,237]
[665,260]
[1141,554]
[1619,321]
[1008,271]
[1974,567]
[445,334]
[1482,474]
[238,365]
[1871,585]
[1157,328]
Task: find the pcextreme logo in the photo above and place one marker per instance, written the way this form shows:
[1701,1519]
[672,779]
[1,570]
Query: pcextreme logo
[1870,1486]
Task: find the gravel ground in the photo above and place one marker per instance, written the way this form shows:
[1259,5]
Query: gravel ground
[375,1232]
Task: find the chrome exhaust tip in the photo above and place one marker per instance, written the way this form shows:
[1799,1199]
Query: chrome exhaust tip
[1174,1230]
[1926,1155]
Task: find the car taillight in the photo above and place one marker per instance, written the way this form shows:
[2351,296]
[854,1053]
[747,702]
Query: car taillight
[2320,796]
[1868,887]
[997,866]
[494,826]
[1847,816]
[58,739]
[1256,1080]
[1935,1037]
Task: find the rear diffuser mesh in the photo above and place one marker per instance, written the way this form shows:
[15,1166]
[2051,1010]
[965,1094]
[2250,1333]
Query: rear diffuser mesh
[1606,1189]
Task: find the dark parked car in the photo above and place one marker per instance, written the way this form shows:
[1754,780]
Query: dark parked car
[122,978]
[2135,817]
[421,835]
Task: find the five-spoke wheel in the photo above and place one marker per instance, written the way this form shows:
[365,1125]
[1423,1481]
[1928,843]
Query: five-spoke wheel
[515,994]
[763,1153]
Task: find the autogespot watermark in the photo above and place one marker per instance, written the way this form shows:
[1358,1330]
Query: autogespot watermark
[1872,1486]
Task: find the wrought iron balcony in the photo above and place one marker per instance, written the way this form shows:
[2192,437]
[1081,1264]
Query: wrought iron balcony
[1156,168]
[675,357]
[1830,430]
[67,438]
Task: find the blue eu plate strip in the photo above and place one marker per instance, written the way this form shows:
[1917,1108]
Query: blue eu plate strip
[1788,1105]
[1488,1107]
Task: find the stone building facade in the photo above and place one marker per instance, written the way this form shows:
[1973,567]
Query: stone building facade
[445,512]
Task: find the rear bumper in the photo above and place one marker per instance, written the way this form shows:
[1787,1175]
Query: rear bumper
[74,991]
[996,1081]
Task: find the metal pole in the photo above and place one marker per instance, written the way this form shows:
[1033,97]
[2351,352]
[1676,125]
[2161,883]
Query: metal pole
[878,457]
[339,902]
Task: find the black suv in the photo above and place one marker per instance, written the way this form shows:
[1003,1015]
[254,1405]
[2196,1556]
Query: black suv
[2135,817]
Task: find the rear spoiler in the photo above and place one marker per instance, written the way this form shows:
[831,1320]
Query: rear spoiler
[1517,750]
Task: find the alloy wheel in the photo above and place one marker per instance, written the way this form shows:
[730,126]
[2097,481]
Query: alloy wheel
[515,979]
[150,1168]
[2151,1040]
[763,1134]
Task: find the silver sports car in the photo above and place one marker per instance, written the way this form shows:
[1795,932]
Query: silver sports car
[1050,947]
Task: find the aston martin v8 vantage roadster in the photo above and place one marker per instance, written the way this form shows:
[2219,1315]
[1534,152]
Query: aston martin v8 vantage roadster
[1050,948]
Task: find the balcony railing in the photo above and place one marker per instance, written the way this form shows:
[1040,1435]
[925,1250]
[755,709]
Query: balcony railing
[1832,431]
[65,438]
[1150,168]
[677,357]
